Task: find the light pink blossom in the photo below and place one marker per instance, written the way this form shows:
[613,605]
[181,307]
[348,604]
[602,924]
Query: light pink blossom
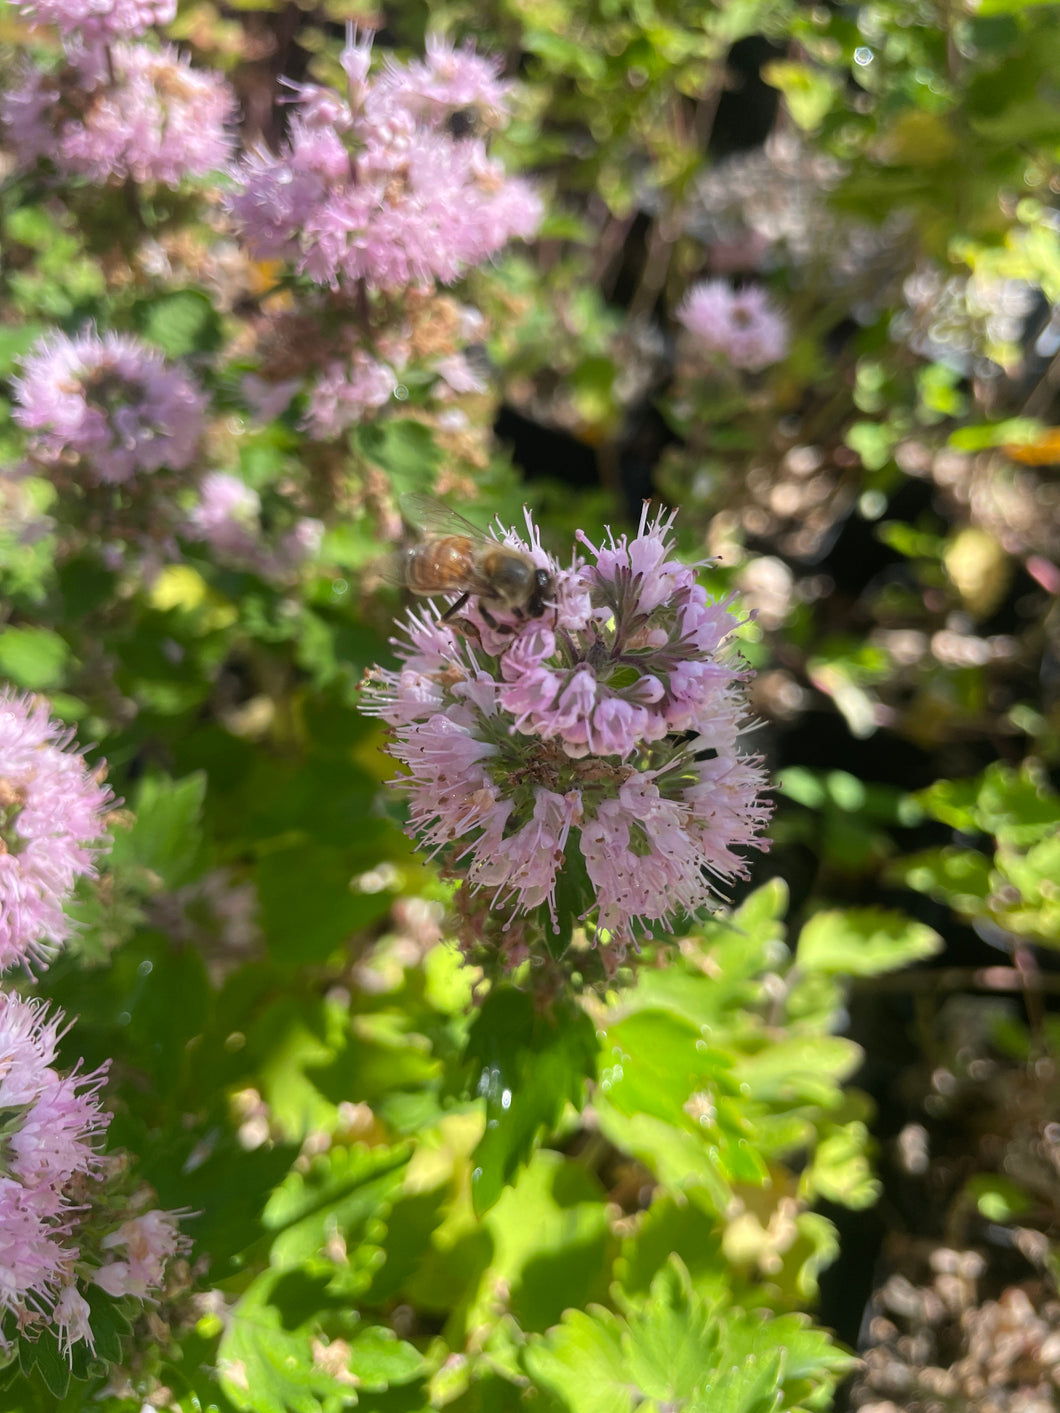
[53,1130]
[227,518]
[378,186]
[51,825]
[604,734]
[149,1242]
[101,19]
[111,402]
[739,326]
[122,111]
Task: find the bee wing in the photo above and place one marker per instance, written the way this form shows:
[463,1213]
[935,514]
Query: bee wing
[435,518]
[392,568]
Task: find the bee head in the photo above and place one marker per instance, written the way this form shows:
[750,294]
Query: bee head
[540,593]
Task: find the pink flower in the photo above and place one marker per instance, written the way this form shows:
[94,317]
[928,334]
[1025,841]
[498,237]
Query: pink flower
[343,393]
[149,1242]
[227,518]
[111,402]
[378,186]
[53,1129]
[123,111]
[449,81]
[71,1317]
[51,817]
[741,326]
[599,741]
[101,19]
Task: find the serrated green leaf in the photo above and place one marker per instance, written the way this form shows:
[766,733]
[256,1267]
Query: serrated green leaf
[863,942]
[673,1341]
[528,1067]
[581,1361]
[266,1363]
[166,835]
[378,1359]
[343,1190]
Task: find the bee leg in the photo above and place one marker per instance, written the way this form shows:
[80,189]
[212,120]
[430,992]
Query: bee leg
[454,608]
[468,629]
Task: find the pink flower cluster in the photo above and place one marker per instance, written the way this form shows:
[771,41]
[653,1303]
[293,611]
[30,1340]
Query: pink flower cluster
[344,392]
[101,19]
[392,184]
[227,517]
[52,1128]
[51,817]
[122,111]
[148,1241]
[112,403]
[601,739]
[739,326]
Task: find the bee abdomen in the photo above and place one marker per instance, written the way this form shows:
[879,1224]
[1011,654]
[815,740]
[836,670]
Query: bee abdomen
[440,565]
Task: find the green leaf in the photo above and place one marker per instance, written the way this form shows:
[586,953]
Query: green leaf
[863,942]
[552,1243]
[266,1361]
[166,834]
[959,877]
[309,906]
[808,92]
[998,1199]
[180,322]
[341,1191]
[378,1359]
[34,658]
[16,340]
[528,1066]
[563,55]
[673,1344]
[582,1362]
[841,1171]
[406,451]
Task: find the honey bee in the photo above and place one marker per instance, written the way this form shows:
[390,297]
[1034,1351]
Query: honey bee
[455,557]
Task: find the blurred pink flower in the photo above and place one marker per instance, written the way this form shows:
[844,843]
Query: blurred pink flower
[227,518]
[123,111]
[448,82]
[112,402]
[51,822]
[53,1128]
[226,515]
[610,725]
[740,326]
[101,19]
[343,393]
[379,187]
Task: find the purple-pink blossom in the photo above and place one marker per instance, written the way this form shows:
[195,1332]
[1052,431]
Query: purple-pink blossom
[122,111]
[109,403]
[600,741]
[384,185]
[741,327]
[101,19]
[227,518]
[51,824]
[344,392]
[53,1128]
